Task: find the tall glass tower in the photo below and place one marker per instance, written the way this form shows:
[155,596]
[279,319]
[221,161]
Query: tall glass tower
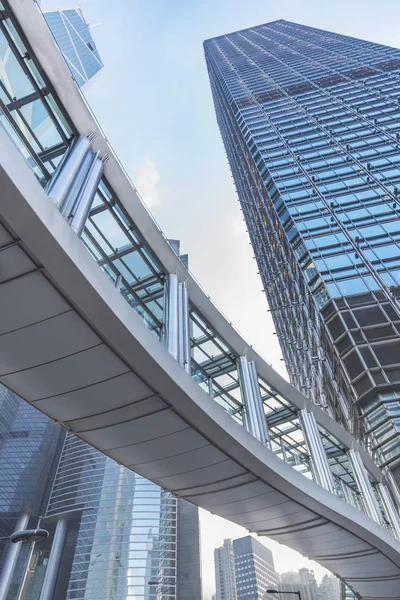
[113,534]
[72,34]
[310,123]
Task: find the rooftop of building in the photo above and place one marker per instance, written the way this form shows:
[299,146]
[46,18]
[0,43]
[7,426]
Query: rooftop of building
[218,37]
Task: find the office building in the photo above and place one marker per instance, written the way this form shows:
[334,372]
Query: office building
[72,35]
[254,568]
[120,530]
[225,574]
[112,532]
[188,551]
[244,569]
[310,124]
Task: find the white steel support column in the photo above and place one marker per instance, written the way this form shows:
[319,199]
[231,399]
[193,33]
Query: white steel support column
[177,324]
[69,201]
[184,327]
[84,200]
[394,488]
[248,384]
[364,485]
[171,322]
[390,509]
[53,566]
[68,171]
[258,403]
[11,558]
[347,495]
[322,471]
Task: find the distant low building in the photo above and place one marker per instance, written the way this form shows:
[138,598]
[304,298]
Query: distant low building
[329,588]
[304,581]
[290,582]
[308,581]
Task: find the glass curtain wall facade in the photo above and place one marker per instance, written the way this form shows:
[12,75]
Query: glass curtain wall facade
[72,35]
[310,123]
[121,538]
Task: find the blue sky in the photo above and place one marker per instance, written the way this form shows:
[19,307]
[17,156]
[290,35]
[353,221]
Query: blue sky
[154,104]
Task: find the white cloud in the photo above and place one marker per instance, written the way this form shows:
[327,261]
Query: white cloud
[146,179]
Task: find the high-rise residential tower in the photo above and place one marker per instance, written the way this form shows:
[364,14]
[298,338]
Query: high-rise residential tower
[72,35]
[310,123]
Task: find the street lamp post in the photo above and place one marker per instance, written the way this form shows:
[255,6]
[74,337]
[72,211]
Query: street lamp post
[27,535]
[21,535]
[281,592]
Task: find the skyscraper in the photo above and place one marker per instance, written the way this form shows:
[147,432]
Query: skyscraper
[309,120]
[72,35]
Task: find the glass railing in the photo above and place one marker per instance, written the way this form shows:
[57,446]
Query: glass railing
[119,249]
